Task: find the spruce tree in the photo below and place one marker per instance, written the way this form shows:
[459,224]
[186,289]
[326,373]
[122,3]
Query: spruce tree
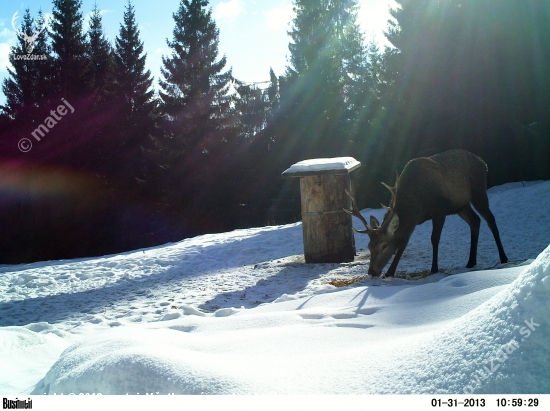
[18,87]
[133,81]
[44,69]
[194,89]
[324,79]
[273,93]
[251,108]
[69,46]
[327,41]
[197,135]
[100,55]
[28,84]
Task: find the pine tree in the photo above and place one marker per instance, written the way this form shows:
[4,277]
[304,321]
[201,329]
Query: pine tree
[194,90]
[133,81]
[69,46]
[100,55]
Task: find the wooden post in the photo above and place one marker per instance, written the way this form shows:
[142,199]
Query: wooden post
[327,229]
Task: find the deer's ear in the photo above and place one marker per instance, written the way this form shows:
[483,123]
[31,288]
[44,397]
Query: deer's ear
[374,222]
[394,224]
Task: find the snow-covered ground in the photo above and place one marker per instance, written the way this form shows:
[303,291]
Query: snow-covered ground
[241,312]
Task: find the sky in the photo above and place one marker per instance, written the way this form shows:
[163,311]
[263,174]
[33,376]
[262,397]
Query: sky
[253,33]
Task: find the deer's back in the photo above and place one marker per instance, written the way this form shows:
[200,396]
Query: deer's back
[445,181]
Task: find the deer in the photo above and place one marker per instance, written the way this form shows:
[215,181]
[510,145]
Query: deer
[29,40]
[430,188]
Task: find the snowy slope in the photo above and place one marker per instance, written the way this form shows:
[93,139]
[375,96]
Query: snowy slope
[240,312]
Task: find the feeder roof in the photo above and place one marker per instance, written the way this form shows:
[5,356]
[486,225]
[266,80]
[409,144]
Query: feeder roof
[316,166]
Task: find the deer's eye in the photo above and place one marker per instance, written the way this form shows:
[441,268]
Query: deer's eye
[384,246]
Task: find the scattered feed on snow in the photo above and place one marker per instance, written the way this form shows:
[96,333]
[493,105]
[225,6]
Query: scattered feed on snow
[345,282]
[417,275]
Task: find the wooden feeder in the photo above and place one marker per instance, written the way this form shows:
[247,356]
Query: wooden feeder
[327,229]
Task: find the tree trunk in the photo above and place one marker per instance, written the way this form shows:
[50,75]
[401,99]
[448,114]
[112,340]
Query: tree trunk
[327,229]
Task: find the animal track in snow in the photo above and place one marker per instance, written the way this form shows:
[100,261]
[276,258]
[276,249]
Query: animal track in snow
[363,312]
[368,311]
[353,325]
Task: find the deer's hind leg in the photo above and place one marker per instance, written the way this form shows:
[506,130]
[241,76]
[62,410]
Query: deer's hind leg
[473,220]
[481,204]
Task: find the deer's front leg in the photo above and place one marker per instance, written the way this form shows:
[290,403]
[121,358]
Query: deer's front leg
[393,266]
[438,222]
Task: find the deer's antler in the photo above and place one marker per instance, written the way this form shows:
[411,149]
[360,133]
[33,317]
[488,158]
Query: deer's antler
[393,191]
[355,212]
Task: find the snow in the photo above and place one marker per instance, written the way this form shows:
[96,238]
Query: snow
[241,312]
[323,164]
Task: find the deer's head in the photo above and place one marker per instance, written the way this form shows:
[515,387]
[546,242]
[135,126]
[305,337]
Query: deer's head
[383,242]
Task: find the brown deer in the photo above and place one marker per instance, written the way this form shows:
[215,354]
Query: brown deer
[430,188]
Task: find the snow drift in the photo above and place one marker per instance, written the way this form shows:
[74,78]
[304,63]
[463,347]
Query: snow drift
[327,344]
